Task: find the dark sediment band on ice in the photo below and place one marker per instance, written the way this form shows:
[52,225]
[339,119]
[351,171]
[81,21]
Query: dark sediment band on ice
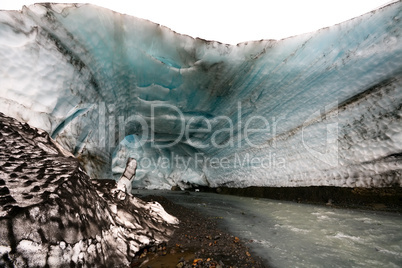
[383,199]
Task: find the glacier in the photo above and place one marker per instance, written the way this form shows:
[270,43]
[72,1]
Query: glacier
[322,108]
[53,215]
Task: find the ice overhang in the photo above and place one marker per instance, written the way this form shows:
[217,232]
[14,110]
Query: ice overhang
[323,108]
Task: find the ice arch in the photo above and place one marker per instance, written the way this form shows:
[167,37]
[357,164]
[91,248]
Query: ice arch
[322,108]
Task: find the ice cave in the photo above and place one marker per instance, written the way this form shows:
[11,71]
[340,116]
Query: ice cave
[318,109]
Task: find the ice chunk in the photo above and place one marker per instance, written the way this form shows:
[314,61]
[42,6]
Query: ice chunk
[56,210]
[125,181]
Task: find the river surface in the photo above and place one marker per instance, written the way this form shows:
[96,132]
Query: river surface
[287,234]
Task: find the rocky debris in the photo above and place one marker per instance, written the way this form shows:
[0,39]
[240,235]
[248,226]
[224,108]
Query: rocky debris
[175,188]
[198,242]
[383,199]
[52,214]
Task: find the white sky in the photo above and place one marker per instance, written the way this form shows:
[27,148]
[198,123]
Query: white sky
[234,21]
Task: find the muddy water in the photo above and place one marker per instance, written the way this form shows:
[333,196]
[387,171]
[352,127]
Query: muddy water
[288,234]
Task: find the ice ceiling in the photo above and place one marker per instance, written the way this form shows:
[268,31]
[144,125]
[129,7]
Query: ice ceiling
[322,108]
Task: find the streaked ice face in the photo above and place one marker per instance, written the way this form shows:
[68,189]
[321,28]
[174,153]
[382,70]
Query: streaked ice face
[321,108]
[287,234]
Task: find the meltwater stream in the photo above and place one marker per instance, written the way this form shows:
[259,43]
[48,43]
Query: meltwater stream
[287,234]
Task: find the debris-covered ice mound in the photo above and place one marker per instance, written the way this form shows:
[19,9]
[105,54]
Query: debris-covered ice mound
[53,215]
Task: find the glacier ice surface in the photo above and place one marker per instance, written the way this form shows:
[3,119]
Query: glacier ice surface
[53,215]
[322,108]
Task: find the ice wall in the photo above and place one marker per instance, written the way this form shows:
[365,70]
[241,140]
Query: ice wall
[323,108]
